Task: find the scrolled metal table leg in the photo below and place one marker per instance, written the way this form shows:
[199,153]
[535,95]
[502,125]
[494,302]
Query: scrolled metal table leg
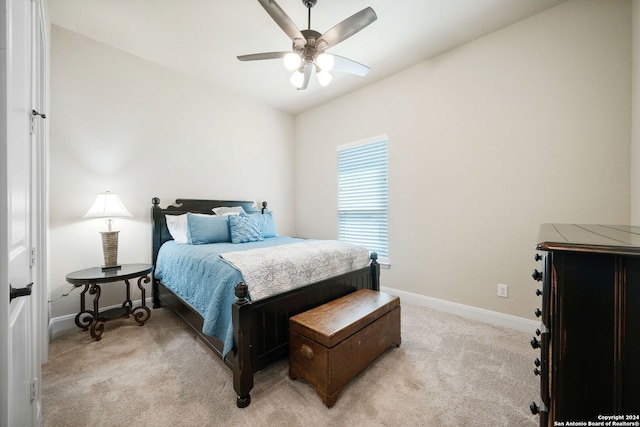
[142,313]
[84,322]
[127,304]
[97,326]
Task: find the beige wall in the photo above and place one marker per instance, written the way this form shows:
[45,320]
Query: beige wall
[528,125]
[124,124]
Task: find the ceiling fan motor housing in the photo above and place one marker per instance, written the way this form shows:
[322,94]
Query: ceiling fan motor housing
[310,50]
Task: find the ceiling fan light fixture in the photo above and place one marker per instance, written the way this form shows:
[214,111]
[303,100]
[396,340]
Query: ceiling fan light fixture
[325,61]
[309,46]
[297,79]
[324,77]
[292,61]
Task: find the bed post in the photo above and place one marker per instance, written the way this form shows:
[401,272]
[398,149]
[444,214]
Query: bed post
[242,368]
[155,291]
[375,272]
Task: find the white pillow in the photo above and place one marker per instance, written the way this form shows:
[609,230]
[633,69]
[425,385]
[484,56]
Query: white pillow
[229,210]
[178,227]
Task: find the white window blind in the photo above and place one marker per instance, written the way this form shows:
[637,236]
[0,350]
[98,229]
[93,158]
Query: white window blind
[362,196]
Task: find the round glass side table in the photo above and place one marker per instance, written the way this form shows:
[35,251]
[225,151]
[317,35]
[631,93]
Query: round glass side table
[93,278]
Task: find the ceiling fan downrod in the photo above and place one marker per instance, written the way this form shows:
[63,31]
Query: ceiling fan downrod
[309,4]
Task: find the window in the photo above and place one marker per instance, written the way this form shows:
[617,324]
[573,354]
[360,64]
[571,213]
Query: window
[362,195]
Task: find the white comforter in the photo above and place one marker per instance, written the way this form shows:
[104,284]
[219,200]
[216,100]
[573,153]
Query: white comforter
[271,271]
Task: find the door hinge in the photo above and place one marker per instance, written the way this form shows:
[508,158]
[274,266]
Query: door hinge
[34,389]
[33,256]
[35,114]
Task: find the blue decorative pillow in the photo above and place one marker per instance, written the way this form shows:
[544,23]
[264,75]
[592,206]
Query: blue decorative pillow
[208,229]
[244,228]
[267,225]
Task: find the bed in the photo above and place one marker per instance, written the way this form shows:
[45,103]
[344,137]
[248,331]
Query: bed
[259,327]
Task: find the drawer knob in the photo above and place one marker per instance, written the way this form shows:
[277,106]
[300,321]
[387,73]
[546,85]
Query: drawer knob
[306,351]
[537,362]
[536,371]
[537,257]
[538,312]
[535,343]
[536,275]
[538,292]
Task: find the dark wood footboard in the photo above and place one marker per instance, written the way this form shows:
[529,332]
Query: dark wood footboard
[261,328]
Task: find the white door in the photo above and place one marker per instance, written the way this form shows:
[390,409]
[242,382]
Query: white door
[20,357]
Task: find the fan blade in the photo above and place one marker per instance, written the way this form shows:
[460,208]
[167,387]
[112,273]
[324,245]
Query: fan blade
[284,22]
[350,66]
[261,56]
[308,67]
[346,28]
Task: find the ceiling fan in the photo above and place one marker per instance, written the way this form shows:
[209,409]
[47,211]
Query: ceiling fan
[309,46]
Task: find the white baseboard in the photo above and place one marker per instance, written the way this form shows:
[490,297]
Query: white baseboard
[494,317]
[64,323]
[60,324]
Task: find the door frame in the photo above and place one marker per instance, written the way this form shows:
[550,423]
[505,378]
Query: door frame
[40,201]
[4,207]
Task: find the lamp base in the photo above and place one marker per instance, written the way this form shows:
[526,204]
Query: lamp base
[110,249]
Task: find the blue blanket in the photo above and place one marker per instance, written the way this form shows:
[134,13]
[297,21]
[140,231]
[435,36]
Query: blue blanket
[198,275]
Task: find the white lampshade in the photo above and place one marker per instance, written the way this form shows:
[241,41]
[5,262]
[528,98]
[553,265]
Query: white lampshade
[292,61]
[107,205]
[297,79]
[324,77]
[325,61]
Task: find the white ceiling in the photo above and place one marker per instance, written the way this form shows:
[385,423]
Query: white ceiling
[201,38]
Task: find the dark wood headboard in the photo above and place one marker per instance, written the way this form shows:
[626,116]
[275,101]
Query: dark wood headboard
[182,206]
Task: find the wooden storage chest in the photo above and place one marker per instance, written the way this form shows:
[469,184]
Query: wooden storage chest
[332,343]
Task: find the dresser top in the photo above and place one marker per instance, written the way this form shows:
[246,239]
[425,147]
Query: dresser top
[614,239]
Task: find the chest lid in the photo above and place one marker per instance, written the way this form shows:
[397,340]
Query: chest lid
[333,322]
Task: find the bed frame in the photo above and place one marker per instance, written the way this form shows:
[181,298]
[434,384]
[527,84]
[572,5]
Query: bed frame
[260,329]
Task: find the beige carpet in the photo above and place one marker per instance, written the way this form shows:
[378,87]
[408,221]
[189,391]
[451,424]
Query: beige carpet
[449,371]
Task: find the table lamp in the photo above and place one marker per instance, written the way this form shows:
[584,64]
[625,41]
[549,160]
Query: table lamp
[109,206]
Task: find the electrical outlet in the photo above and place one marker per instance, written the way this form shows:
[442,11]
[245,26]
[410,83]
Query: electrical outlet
[503,291]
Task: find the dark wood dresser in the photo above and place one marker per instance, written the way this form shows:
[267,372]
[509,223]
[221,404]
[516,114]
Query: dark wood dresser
[589,336]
